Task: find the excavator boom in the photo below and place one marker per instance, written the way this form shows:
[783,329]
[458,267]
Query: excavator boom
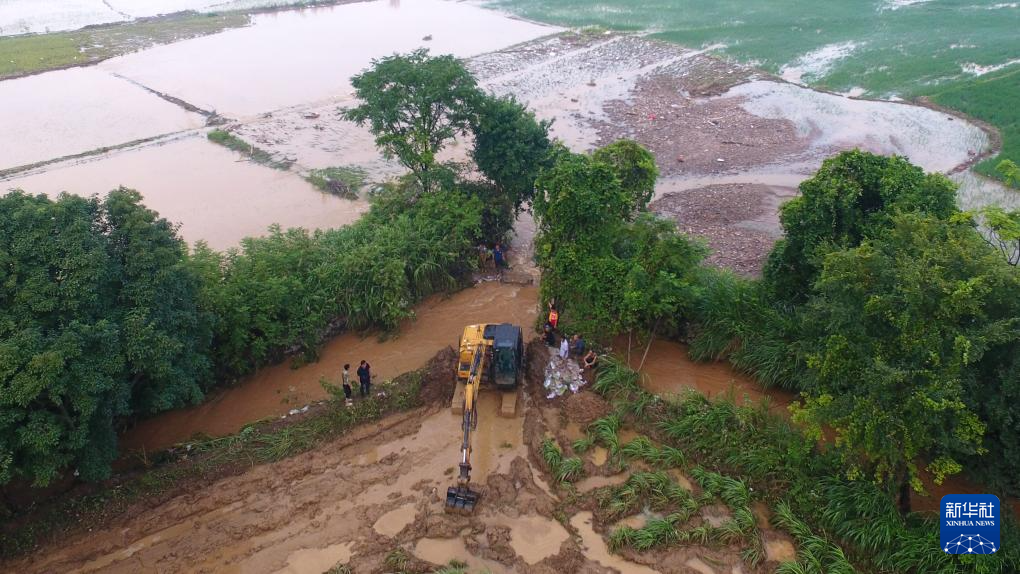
[495,351]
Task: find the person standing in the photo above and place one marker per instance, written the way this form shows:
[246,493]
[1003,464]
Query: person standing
[365,377]
[498,257]
[564,348]
[577,346]
[346,379]
[554,315]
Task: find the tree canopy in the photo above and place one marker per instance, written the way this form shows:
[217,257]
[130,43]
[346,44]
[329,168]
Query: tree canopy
[850,198]
[98,319]
[414,104]
[510,146]
[891,332]
[611,266]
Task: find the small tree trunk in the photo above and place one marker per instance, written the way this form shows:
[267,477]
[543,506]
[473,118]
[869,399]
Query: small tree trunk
[651,337]
[904,497]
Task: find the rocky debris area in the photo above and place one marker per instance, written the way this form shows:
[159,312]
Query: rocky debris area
[691,135]
[729,217]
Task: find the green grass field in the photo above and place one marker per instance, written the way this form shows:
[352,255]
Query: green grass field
[20,55]
[904,48]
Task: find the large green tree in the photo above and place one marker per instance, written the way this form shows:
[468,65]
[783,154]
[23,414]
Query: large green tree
[415,104]
[850,198]
[98,320]
[895,328]
[510,146]
[610,266]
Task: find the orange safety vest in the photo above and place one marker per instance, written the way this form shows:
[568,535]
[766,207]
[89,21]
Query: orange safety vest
[554,318]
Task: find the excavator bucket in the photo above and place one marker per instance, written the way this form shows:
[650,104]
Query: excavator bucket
[461,500]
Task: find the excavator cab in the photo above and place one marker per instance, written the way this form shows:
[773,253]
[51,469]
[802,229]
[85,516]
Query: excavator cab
[491,353]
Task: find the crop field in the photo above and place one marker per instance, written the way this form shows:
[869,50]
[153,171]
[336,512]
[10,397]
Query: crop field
[966,53]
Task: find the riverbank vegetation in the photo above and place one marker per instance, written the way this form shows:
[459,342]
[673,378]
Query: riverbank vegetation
[107,316]
[741,454]
[883,305]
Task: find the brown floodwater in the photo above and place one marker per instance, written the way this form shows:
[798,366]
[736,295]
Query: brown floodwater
[301,56]
[215,194]
[73,111]
[275,390]
[669,370]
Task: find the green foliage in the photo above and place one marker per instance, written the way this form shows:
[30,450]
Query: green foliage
[1001,230]
[99,318]
[1010,172]
[610,269]
[257,155]
[283,291]
[894,328]
[414,104]
[849,199]
[511,146]
[564,470]
[635,166]
[815,554]
[345,181]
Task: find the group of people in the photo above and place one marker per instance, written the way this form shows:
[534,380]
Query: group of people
[572,347]
[497,255]
[364,380]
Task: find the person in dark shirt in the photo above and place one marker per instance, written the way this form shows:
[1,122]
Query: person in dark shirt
[365,377]
[577,346]
[549,335]
[498,256]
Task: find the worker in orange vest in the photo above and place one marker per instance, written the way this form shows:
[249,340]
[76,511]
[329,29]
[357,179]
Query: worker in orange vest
[554,316]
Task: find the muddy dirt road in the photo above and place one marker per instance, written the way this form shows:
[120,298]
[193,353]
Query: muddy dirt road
[380,489]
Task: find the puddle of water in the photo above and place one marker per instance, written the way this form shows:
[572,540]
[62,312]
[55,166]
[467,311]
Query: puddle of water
[317,560]
[203,186]
[442,550]
[534,538]
[599,456]
[927,137]
[715,515]
[440,321]
[592,482]
[594,547]
[394,521]
[289,58]
[669,370]
[72,111]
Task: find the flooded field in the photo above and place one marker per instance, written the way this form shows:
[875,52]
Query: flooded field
[214,194]
[73,111]
[313,53]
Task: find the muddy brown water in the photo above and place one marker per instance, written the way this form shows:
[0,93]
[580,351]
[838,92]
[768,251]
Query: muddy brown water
[214,193]
[42,119]
[275,390]
[669,370]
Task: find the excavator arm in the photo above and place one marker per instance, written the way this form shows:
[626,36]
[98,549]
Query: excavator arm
[461,498]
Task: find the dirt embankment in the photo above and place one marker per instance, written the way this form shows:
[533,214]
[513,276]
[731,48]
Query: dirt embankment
[373,500]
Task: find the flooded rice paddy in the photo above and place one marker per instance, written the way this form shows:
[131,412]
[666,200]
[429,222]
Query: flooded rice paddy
[211,191]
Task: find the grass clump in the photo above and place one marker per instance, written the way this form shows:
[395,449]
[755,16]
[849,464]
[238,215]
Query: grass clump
[257,155]
[343,181]
[564,470]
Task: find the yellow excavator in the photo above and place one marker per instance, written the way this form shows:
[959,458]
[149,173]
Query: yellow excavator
[492,354]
